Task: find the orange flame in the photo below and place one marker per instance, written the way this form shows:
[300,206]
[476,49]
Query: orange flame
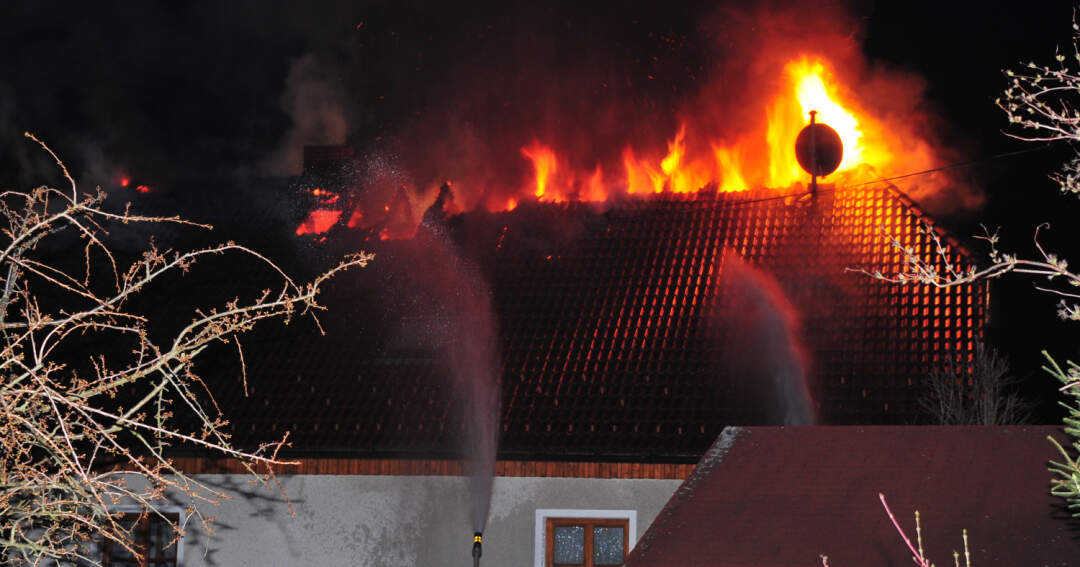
[762,159]
[355,219]
[682,176]
[727,160]
[811,83]
[543,160]
[318,222]
[325,196]
[641,177]
[596,189]
[698,157]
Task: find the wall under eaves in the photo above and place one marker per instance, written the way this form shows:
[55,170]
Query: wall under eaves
[391,521]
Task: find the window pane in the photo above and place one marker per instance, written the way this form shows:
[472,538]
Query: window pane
[120,555]
[161,535]
[607,545]
[569,545]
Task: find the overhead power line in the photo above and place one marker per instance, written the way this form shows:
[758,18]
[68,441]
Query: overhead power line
[954,165]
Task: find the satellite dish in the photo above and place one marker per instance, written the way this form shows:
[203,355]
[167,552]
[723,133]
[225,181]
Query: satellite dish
[818,149]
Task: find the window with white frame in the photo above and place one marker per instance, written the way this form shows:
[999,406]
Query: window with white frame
[584,538]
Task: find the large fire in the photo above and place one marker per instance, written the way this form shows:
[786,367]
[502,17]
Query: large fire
[759,159]
[763,156]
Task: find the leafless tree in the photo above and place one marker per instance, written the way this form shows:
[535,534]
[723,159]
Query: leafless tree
[1042,103]
[91,397]
[979,392]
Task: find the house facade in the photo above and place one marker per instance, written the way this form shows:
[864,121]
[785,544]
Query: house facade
[627,339]
[406,513]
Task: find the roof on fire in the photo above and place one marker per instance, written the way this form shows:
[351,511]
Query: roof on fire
[638,329]
[740,505]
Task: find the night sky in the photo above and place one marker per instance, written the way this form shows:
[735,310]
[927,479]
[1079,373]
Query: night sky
[203,100]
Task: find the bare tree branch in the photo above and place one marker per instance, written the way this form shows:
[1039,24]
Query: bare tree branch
[1043,103]
[84,430]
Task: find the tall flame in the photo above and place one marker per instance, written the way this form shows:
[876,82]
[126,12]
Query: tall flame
[699,156]
[727,159]
[543,160]
[811,83]
[766,159]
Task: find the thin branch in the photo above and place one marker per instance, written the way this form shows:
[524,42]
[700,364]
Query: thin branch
[68,442]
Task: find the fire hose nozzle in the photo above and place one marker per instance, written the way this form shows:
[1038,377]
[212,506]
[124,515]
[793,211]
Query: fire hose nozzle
[477,547]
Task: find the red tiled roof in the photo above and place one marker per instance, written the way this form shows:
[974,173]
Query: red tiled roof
[616,330]
[610,329]
[774,496]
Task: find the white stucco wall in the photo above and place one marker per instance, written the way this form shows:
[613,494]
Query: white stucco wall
[399,521]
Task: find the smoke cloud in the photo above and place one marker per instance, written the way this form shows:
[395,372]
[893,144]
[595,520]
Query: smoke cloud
[453,92]
[543,80]
[314,100]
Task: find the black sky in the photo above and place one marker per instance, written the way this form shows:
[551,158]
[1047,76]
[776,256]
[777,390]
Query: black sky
[198,86]
[197,98]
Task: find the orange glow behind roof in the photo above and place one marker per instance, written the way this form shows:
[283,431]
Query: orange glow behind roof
[761,158]
[697,156]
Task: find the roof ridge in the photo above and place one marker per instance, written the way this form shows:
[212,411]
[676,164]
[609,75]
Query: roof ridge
[713,457]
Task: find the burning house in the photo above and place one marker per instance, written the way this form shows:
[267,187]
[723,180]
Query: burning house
[626,338]
[587,335]
[708,283]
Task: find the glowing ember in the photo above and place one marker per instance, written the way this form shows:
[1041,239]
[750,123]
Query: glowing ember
[325,196]
[318,222]
[125,181]
[356,219]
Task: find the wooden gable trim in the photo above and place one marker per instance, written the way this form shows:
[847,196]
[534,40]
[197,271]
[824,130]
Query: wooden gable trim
[439,467]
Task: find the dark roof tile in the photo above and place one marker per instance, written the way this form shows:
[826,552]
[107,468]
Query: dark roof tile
[617,333]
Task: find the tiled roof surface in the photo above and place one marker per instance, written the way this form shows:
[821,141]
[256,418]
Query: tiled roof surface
[617,329]
[773,496]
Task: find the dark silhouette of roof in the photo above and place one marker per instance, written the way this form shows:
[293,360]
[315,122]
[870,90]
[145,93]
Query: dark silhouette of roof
[776,496]
[637,328]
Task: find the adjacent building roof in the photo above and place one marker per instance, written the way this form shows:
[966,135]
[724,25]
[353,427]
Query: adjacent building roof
[637,328]
[776,496]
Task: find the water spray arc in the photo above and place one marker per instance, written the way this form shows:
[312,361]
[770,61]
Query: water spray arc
[446,312]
